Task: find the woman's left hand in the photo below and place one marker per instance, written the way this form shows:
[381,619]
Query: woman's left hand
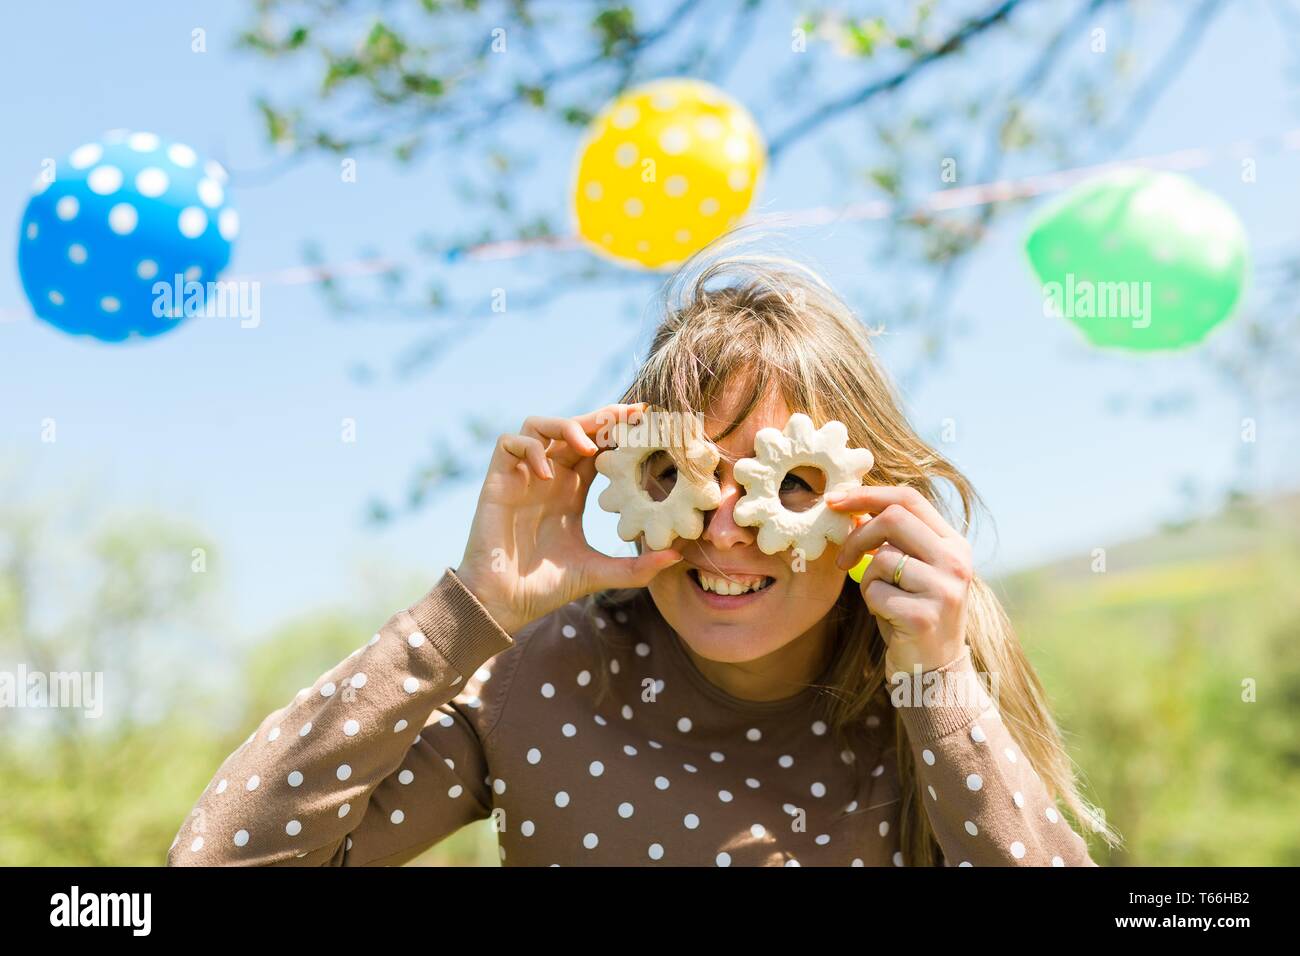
[922,617]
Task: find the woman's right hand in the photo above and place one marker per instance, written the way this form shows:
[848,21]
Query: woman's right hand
[527,554]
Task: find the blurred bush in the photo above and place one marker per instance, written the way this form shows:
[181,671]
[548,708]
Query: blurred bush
[1173,663]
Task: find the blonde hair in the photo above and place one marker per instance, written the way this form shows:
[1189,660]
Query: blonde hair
[763,322]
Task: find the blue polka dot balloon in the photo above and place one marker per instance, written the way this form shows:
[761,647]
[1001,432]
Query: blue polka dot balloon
[120,232]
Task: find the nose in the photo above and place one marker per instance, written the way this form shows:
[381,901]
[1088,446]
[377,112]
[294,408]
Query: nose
[720,528]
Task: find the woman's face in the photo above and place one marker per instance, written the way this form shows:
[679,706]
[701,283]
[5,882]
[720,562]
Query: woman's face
[778,604]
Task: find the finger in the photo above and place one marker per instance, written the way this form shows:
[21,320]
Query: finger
[575,447]
[528,449]
[917,577]
[558,429]
[637,572]
[899,527]
[584,425]
[586,472]
[905,612]
[563,438]
[874,499]
[503,459]
[599,424]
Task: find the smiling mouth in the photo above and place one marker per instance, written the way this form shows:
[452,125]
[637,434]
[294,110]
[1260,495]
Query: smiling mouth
[731,585]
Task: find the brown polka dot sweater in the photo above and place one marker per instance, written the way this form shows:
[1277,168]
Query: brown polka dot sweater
[442,719]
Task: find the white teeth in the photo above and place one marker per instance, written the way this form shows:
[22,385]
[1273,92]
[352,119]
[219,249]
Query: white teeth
[724,586]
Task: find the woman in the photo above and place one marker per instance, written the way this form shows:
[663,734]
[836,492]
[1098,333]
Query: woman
[707,704]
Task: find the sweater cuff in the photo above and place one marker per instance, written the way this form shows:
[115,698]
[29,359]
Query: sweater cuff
[936,702]
[458,626]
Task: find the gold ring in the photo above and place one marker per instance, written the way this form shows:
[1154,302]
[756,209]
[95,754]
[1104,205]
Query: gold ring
[898,571]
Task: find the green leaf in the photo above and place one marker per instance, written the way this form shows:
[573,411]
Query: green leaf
[278,127]
[343,68]
[255,40]
[383,47]
[615,27]
[404,152]
[886,179]
[867,34]
[424,84]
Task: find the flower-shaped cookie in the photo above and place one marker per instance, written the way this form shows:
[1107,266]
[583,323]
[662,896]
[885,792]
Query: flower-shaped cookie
[680,514]
[777,453]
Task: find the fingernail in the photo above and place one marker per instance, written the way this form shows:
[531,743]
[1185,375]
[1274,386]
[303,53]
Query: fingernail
[835,497]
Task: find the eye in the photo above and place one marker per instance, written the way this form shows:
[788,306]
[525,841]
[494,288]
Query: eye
[801,487]
[659,475]
[792,483]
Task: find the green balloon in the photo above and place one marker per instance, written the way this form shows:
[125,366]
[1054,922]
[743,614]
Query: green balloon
[1140,260]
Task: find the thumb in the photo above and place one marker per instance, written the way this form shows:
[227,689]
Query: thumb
[635,572]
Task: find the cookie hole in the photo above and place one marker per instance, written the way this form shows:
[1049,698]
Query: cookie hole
[802,487]
[658,475]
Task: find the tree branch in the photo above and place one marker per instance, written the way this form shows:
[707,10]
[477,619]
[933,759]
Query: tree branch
[840,105]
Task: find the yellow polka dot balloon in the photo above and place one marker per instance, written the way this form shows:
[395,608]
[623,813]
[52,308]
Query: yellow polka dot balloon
[665,169]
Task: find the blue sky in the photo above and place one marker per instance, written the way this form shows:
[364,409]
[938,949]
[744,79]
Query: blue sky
[238,430]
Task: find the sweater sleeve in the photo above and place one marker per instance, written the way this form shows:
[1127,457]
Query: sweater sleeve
[986,804]
[343,776]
